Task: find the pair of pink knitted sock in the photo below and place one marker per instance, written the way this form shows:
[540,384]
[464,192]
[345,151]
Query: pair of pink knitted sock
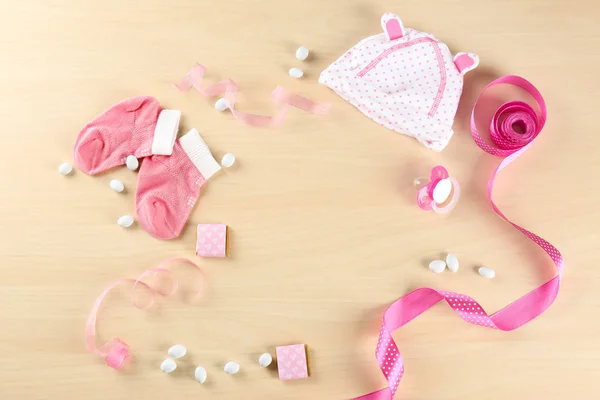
[172,171]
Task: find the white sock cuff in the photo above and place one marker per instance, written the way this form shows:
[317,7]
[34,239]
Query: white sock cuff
[199,153]
[165,132]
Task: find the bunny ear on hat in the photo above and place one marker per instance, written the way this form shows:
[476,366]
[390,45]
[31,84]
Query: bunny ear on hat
[392,26]
[466,62]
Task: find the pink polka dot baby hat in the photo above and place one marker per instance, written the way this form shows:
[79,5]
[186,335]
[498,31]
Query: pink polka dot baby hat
[403,79]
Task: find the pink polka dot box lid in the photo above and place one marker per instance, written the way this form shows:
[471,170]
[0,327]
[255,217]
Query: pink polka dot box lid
[403,79]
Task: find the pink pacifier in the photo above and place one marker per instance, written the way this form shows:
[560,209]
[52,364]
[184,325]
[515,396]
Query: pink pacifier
[440,193]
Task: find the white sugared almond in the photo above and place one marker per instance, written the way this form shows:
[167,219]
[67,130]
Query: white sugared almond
[168,366]
[487,272]
[132,162]
[302,53]
[200,374]
[117,185]
[296,73]
[221,104]
[228,160]
[125,221]
[437,266]
[65,168]
[265,360]
[232,368]
[452,262]
[177,351]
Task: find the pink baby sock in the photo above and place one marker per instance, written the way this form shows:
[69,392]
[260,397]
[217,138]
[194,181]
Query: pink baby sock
[169,186]
[137,126]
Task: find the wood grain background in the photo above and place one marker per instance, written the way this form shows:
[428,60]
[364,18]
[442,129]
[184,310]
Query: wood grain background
[324,229]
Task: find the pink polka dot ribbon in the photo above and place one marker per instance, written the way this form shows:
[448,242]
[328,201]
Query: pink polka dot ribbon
[115,351]
[228,89]
[513,128]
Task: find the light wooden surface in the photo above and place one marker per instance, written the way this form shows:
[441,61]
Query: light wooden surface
[325,232]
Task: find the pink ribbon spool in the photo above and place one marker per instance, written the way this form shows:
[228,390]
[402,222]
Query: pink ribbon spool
[510,143]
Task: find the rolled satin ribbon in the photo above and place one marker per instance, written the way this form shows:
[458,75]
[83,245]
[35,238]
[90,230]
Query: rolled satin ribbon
[508,143]
[116,352]
[228,89]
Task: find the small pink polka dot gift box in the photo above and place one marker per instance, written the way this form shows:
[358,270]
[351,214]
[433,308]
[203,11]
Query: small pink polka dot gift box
[403,79]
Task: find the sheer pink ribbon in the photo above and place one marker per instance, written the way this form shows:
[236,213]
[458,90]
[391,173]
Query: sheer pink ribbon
[510,144]
[228,89]
[115,351]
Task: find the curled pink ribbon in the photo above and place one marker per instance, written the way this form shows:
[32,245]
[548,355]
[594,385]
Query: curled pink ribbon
[115,351]
[228,89]
[509,143]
